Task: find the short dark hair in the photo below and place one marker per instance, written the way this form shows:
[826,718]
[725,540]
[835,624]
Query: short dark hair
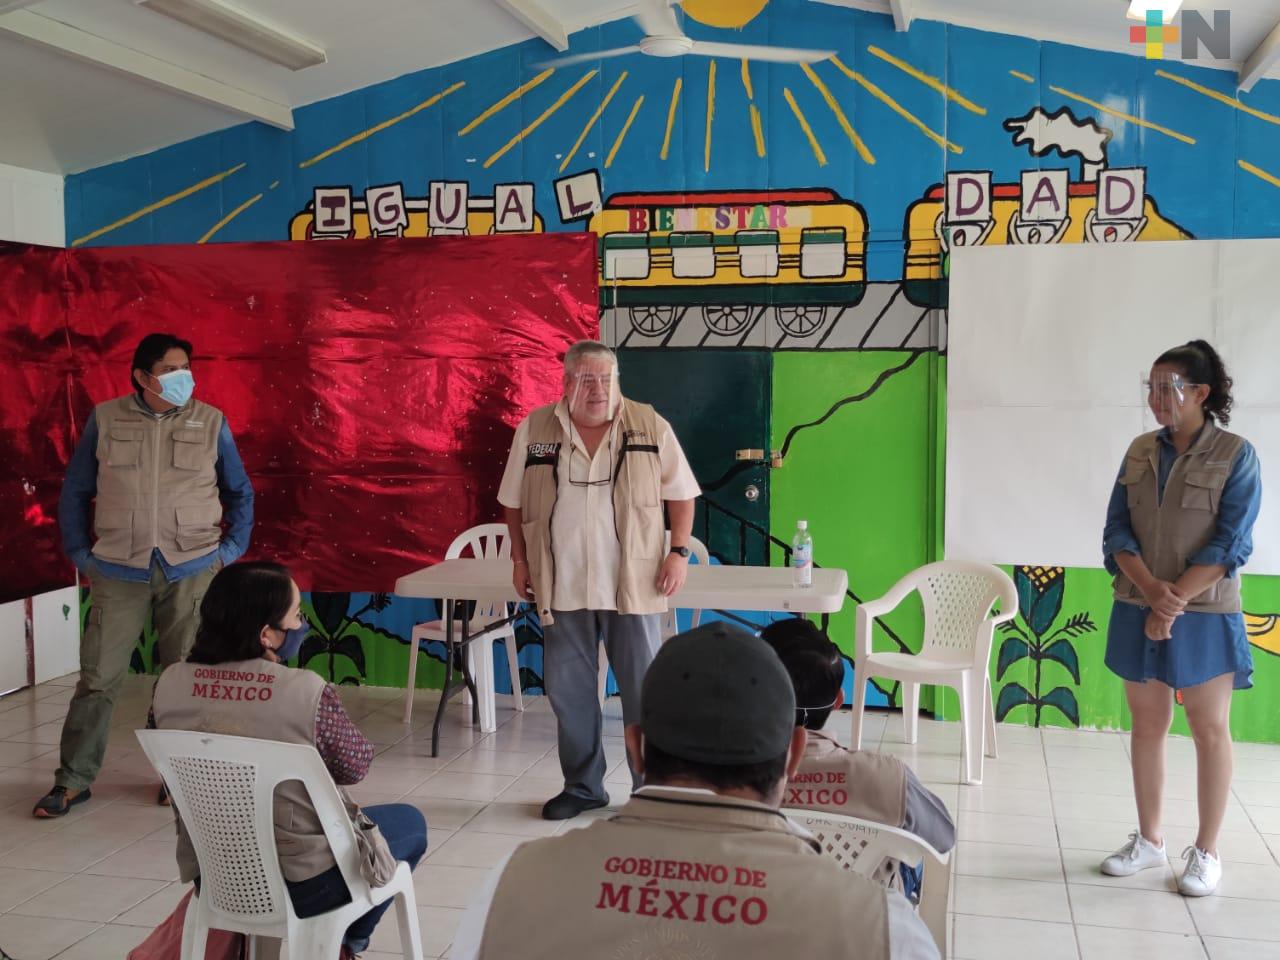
[151,350]
[814,664]
[661,767]
[1200,363]
[241,600]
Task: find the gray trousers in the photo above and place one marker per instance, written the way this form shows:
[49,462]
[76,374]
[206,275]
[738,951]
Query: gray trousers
[571,668]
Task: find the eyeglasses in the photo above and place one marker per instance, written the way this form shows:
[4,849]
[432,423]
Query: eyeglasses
[591,483]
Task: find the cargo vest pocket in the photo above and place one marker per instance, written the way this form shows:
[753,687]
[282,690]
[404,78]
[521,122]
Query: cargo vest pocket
[198,526]
[114,527]
[1202,490]
[189,450]
[1135,472]
[124,447]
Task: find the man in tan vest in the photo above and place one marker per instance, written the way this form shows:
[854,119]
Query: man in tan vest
[162,474]
[583,496]
[699,863]
[832,778]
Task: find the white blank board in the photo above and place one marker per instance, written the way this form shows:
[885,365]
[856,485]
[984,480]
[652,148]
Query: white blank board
[1047,349]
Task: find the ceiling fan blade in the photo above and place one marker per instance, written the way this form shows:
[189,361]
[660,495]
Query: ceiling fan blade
[587,57]
[746,51]
[657,18]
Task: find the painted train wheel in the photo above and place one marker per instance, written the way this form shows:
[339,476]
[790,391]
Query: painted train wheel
[726,320]
[802,321]
[652,320]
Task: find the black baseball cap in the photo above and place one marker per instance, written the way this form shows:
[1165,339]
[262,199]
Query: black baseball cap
[718,695]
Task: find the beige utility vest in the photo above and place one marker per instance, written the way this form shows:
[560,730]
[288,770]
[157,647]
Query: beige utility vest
[157,483]
[637,506]
[854,783]
[677,874]
[253,698]
[1172,529]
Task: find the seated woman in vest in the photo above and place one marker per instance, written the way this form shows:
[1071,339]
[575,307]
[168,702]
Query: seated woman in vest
[250,623]
[855,783]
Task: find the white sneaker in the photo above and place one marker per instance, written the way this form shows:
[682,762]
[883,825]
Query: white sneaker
[1138,854]
[1202,874]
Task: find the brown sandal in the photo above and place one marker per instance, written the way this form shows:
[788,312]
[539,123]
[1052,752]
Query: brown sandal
[58,802]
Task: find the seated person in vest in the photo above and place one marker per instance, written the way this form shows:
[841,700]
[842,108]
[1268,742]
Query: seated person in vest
[583,496]
[856,783]
[699,862]
[250,623]
[160,472]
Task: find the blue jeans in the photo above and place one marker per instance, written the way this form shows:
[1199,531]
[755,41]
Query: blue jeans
[405,830]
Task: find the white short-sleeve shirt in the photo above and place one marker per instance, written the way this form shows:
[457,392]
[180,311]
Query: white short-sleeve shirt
[584,539]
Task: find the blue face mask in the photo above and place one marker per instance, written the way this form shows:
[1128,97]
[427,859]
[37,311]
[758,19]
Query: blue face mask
[176,386]
[293,638]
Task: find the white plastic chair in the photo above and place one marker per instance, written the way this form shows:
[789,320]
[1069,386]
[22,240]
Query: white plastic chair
[670,620]
[959,628]
[223,787]
[488,541]
[870,849]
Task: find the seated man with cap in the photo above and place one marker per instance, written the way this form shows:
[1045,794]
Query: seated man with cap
[699,862]
[831,778]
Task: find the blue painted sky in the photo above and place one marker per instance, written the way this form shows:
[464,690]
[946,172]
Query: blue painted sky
[1201,186]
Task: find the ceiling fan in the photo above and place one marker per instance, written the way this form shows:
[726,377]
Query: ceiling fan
[664,38]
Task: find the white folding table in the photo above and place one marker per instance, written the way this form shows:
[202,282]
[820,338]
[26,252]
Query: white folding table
[708,587]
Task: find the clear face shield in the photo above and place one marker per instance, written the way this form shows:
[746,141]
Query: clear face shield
[1172,400]
[591,391]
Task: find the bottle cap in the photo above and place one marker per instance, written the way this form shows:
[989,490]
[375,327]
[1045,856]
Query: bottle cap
[802,524]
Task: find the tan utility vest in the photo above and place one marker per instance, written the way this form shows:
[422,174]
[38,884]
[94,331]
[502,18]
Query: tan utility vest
[854,783]
[637,506]
[1172,529]
[157,483]
[253,698]
[678,874]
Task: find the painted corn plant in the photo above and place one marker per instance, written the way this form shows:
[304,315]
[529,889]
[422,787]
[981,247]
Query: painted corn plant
[1033,635]
[337,638]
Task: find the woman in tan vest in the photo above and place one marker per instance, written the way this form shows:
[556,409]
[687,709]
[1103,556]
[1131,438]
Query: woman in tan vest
[236,682]
[1179,527]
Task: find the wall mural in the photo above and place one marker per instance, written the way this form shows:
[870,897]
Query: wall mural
[774,230]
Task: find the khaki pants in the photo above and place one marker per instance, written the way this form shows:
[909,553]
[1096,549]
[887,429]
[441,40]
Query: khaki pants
[116,620]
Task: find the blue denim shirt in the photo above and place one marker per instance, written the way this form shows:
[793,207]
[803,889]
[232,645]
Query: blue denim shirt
[1232,542]
[81,485]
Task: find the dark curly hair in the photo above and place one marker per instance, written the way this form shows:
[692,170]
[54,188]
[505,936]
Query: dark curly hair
[1200,363]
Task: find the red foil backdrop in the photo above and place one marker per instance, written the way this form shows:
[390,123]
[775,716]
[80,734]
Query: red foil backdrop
[372,386]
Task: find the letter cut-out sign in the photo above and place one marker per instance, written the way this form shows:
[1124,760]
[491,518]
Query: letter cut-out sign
[332,219]
[578,196]
[513,207]
[387,214]
[448,208]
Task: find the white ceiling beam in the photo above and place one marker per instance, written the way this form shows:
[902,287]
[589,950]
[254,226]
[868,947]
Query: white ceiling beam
[903,13]
[1258,63]
[536,17]
[78,44]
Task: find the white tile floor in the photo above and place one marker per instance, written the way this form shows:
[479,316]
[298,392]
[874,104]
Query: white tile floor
[90,886]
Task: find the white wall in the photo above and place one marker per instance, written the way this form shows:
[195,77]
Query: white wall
[31,207]
[31,211]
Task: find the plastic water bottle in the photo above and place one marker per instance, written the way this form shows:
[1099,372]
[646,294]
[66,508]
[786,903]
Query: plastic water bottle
[802,556]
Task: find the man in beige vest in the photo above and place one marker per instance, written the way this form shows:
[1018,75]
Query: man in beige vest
[583,496]
[832,778]
[162,474]
[699,863]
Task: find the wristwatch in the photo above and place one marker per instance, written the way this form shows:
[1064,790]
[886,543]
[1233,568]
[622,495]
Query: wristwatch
[680,551]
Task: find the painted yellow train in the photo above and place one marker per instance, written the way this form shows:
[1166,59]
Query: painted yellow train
[925,264]
[799,252]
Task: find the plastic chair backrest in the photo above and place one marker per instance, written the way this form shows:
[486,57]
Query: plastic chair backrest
[873,850]
[957,596]
[224,789]
[698,553]
[485,541]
